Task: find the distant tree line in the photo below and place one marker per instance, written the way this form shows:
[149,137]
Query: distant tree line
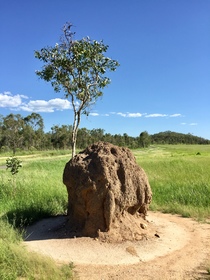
[170,137]
[27,133]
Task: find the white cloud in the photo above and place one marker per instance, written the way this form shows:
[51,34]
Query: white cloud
[15,102]
[188,123]
[9,100]
[155,115]
[134,115]
[121,114]
[138,115]
[94,114]
[175,115]
[193,124]
[49,106]
[24,96]
[128,115]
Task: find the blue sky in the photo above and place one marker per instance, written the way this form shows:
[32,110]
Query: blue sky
[163,47]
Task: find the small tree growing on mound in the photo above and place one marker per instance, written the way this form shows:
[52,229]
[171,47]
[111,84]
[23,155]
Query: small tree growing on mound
[77,67]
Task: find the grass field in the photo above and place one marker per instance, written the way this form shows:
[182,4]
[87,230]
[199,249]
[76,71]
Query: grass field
[179,176]
[38,192]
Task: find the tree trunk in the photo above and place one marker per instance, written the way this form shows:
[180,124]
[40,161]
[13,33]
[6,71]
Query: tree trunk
[73,145]
[74,131]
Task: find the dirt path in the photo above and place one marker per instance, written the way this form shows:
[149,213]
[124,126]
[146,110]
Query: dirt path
[180,249]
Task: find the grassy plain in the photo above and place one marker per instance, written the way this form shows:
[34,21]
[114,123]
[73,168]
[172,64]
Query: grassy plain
[179,176]
[37,192]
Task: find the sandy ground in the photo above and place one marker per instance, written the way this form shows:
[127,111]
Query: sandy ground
[180,249]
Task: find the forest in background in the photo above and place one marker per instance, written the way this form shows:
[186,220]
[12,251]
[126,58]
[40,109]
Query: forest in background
[27,133]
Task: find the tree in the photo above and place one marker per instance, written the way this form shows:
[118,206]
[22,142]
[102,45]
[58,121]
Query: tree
[1,131]
[144,139]
[59,136]
[77,67]
[83,137]
[97,134]
[35,121]
[13,164]
[34,130]
[13,127]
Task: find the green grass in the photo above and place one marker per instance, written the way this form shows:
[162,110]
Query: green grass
[38,192]
[31,155]
[16,263]
[208,270]
[179,176]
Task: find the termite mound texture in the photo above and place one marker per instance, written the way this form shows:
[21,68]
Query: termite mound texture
[108,192]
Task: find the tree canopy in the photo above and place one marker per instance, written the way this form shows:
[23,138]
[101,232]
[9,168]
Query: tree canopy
[78,68]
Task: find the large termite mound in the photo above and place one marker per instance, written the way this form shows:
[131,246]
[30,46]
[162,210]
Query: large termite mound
[108,193]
